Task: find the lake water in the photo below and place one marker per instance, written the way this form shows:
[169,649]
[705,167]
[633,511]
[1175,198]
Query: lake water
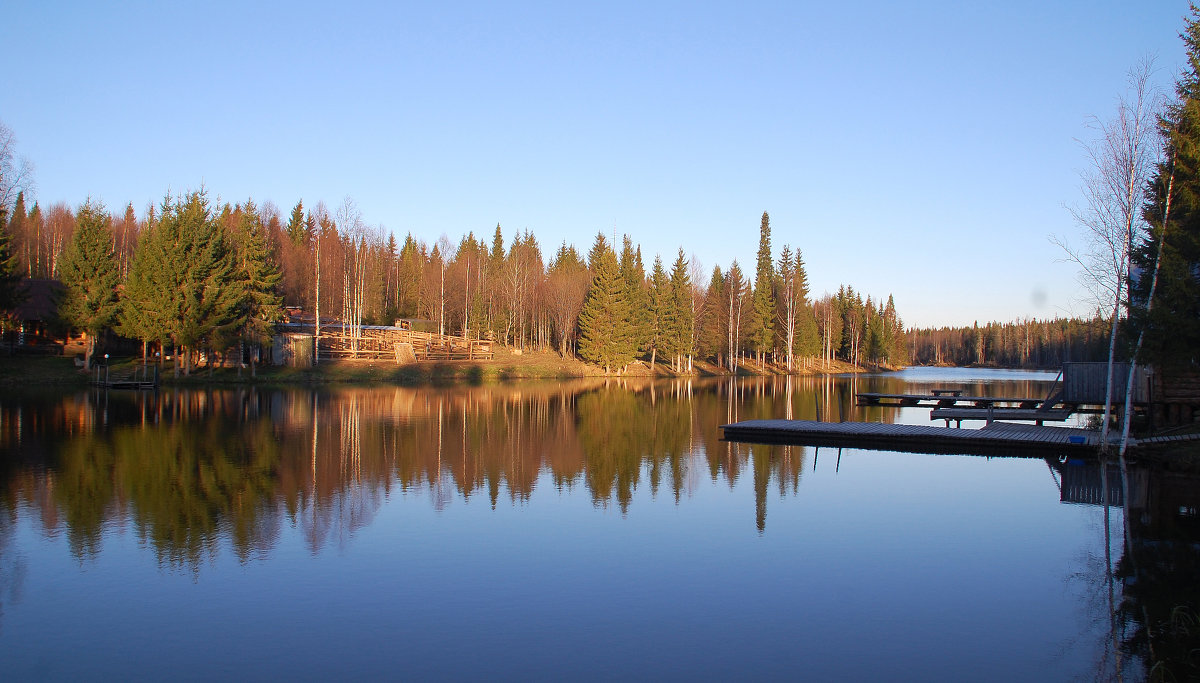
[538,531]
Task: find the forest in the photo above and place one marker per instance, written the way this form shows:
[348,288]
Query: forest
[200,277]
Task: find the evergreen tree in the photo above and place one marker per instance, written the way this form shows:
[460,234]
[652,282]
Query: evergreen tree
[297,227]
[17,222]
[186,280]
[634,275]
[762,336]
[604,320]
[1167,260]
[262,306]
[11,292]
[711,338]
[659,300]
[680,317]
[90,276]
[139,316]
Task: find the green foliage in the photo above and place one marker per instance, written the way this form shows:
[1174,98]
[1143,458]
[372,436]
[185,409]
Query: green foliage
[604,337]
[711,336]
[262,306]
[1172,323]
[658,301]
[183,286]
[90,274]
[677,332]
[297,227]
[633,274]
[762,332]
[11,294]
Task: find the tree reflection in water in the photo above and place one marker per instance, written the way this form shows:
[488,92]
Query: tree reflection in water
[193,471]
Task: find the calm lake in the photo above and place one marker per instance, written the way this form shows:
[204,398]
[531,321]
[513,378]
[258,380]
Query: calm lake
[577,530]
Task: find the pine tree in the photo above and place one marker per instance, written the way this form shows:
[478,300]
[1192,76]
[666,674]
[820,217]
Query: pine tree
[17,223]
[604,339]
[659,300]
[680,317]
[184,281]
[11,292]
[90,276]
[711,339]
[297,227]
[634,275]
[262,306]
[138,316]
[762,336]
[1167,260]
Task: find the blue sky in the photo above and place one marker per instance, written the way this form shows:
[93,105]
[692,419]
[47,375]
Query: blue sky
[925,150]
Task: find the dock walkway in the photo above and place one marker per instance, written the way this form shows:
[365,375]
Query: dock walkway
[998,438]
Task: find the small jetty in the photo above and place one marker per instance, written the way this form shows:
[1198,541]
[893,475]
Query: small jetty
[998,438]
[143,378]
[951,404]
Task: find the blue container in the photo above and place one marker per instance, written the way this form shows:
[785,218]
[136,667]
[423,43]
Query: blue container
[1077,439]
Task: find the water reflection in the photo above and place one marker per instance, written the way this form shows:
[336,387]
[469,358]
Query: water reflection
[189,467]
[190,473]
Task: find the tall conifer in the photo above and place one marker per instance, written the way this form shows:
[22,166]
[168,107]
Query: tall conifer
[11,293]
[262,306]
[90,275]
[297,227]
[604,320]
[762,336]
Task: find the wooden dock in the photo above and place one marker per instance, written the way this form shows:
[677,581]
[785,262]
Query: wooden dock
[140,379]
[950,404]
[998,438]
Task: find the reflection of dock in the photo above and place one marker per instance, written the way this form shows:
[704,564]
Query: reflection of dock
[998,438]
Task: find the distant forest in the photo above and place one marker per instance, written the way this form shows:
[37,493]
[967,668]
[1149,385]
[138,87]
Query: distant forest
[247,263]
[1022,344]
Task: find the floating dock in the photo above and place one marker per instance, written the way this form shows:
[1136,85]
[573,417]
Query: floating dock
[951,404]
[998,438]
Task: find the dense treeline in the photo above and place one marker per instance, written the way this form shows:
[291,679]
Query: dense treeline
[1022,344]
[205,278]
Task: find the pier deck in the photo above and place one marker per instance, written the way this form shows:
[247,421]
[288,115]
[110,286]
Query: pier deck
[998,438]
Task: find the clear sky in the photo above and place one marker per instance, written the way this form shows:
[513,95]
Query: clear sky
[922,149]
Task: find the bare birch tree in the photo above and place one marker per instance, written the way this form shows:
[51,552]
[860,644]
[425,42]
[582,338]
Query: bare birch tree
[1121,156]
[16,173]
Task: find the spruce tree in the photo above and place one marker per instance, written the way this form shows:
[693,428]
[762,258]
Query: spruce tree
[762,336]
[139,314]
[633,274]
[1167,260]
[604,337]
[262,306]
[659,298]
[11,292]
[90,276]
[680,317]
[186,281]
[297,227]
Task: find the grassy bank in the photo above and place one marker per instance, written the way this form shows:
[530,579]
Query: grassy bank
[24,370]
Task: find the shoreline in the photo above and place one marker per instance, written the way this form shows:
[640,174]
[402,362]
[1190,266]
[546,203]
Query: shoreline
[33,371]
